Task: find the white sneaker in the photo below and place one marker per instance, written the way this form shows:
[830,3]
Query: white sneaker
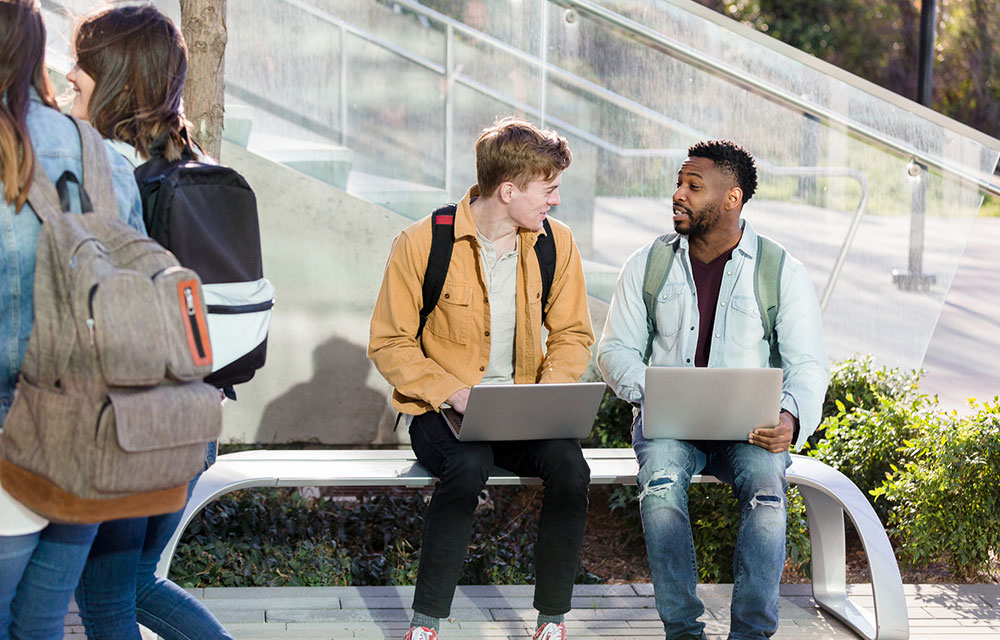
[550,631]
[421,633]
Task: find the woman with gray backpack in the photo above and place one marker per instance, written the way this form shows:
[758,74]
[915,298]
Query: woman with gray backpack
[40,562]
[131,67]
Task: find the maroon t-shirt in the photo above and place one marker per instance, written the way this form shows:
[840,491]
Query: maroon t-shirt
[708,281]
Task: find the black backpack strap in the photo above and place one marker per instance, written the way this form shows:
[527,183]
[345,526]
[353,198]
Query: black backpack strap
[442,241]
[545,251]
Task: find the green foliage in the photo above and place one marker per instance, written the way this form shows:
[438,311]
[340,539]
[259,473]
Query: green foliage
[612,425]
[276,537]
[865,444]
[946,500]
[857,384]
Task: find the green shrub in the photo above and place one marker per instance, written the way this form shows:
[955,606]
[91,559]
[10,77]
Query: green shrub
[276,537]
[865,443]
[946,499]
[858,384]
[612,424]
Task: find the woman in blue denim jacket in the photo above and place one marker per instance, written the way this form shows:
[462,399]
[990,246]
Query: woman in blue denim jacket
[40,563]
[131,66]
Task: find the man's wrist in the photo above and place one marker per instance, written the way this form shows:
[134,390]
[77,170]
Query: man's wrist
[795,425]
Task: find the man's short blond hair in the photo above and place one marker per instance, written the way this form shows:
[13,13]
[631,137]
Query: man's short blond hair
[517,151]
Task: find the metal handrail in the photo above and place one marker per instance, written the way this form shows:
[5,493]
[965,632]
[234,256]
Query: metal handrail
[697,59]
[453,77]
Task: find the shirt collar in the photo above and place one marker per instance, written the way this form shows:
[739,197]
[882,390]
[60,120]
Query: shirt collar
[465,225]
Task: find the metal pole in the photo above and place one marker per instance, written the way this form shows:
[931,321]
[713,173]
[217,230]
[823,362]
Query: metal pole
[449,105]
[926,67]
[544,56]
[343,86]
[915,279]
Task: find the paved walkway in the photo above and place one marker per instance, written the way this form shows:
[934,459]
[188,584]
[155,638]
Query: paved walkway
[939,612]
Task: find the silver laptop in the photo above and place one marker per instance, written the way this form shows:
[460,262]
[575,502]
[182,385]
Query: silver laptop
[527,412]
[700,403]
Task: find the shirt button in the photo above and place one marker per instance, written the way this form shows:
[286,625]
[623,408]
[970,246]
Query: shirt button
[692,328]
[729,273]
[538,295]
[486,300]
[722,304]
[718,335]
[487,333]
[447,295]
[689,360]
[482,368]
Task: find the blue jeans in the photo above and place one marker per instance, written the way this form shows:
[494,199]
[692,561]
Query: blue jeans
[38,573]
[758,480]
[119,588]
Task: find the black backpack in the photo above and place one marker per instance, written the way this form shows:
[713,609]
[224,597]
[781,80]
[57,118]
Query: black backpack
[206,214]
[442,240]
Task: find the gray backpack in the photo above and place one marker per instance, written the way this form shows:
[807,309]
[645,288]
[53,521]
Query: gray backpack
[110,418]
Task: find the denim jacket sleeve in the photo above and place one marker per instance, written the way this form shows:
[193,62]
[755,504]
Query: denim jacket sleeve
[802,345]
[623,341]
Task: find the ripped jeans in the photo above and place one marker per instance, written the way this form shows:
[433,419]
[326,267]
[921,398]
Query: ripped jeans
[758,480]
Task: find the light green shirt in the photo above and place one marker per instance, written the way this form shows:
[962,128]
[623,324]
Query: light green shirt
[501,283]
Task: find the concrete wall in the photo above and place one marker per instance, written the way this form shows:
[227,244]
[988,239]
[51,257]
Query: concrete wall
[324,250]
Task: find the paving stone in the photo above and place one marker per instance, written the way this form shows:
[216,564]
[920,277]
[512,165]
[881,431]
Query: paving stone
[523,590]
[635,602]
[334,615]
[227,616]
[604,590]
[257,602]
[941,612]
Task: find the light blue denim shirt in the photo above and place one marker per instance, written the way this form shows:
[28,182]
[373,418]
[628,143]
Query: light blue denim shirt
[56,144]
[738,339]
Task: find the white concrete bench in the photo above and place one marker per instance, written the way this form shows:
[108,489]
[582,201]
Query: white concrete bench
[827,494]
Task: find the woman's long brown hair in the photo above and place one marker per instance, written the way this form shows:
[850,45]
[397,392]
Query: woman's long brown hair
[22,66]
[138,61]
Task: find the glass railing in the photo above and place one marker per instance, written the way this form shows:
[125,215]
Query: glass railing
[385,98]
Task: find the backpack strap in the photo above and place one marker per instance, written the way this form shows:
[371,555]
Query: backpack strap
[767,290]
[658,263]
[442,241]
[96,169]
[545,251]
[43,197]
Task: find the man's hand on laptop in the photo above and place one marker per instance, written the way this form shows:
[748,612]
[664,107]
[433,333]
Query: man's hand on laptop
[775,439]
[459,399]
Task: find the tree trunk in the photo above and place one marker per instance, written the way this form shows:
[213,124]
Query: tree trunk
[203,23]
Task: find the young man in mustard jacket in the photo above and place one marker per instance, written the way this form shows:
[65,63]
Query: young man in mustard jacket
[487,329]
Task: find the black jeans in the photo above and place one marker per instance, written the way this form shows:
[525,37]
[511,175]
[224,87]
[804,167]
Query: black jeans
[462,469]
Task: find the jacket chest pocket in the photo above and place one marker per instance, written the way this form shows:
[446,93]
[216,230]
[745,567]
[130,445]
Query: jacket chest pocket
[670,308]
[453,313]
[743,325]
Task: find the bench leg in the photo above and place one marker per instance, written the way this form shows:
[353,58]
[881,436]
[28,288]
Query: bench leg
[215,482]
[826,534]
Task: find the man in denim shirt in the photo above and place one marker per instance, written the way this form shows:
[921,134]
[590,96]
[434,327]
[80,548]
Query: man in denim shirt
[706,315]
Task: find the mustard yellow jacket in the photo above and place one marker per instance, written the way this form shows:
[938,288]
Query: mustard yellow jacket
[454,348]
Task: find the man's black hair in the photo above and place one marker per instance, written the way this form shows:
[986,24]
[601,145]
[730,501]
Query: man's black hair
[732,159]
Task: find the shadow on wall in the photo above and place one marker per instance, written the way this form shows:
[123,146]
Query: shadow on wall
[336,405]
